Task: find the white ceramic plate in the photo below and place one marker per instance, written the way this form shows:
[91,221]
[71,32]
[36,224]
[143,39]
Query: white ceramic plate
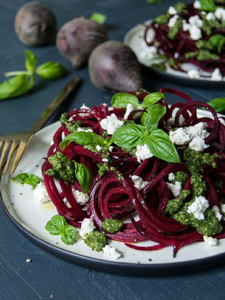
[30,218]
[134,39]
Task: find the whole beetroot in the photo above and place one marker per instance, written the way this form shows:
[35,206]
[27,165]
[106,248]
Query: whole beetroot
[78,38]
[35,24]
[113,67]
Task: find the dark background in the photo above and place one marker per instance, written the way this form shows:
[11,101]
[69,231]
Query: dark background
[47,275]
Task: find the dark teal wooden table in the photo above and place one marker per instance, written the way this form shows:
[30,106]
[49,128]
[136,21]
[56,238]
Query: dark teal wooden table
[47,276]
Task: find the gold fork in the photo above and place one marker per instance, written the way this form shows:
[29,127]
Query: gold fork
[10,142]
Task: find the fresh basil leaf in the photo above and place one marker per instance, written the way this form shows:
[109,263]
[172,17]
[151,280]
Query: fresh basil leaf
[83,176]
[152,98]
[83,138]
[218,104]
[163,19]
[15,86]
[129,136]
[30,61]
[161,146]
[160,67]
[51,70]
[98,17]
[56,225]
[207,5]
[69,235]
[30,179]
[217,40]
[152,116]
[120,100]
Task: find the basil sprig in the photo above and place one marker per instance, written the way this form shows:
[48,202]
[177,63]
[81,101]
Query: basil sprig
[58,226]
[152,116]
[23,81]
[207,5]
[217,40]
[25,178]
[83,176]
[218,104]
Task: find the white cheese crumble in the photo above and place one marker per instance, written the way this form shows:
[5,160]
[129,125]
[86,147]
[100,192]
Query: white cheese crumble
[195,32]
[173,20]
[194,74]
[175,188]
[105,159]
[81,198]
[99,148]
[197,4]
[129,109]
[111,252]
[195,20]
[222,207]
[197,130]
[40,193]
[216,75]
[172,10]
[210,16]
[198,144]
[111,123]
[171,176]
[143,152]
[217,213]
[220,13]
[198,207]
[85,129]
[210,240]
[139,183]
[87,226]
[179,136]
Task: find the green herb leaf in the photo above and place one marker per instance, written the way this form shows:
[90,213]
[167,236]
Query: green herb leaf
[84,138]
[217,40]
[160,67]
[152,116]
[120,100]
[15,86]
[51,70]
[84,176]
[69,235]
[30,61]
[163,19]
[152,98]
[161,146]
[98,17]
[207,5]
[218,104]
[56,225]
[129,136]
[154,1]
[30,179]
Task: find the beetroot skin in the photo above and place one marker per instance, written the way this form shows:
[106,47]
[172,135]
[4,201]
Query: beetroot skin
[78,38]
[113,67]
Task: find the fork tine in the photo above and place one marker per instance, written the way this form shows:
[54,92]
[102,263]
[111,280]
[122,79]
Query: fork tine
[4,151]
[10,154]
[19,153]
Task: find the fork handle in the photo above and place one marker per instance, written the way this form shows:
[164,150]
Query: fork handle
[55,104]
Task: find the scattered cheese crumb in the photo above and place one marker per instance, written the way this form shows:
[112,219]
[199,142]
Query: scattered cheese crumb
[41,194]
[172,10]
[80,197]
[220,13]
[87,226]
[143,152]
[139,183]
[111,123]
[193,74]
[198,144]
[179,136]
[111,252]
[210,240]
[198,207]
[217,213]
[175,188]
[216,75]
[173,20]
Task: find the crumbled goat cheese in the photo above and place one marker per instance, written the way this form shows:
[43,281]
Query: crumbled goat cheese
[194,74]
[129,109]
[139,183]
[198,207]
[210,240]
[171,176]
[210,16]
[84,129]
[87,226]
[186,26]
[172,10]
[195,32]
[179,136]
[222,207]
[217,213]
[173,20]
[111,123]
[105,159]
[111,148]
[111,252]
[197,4]
[197,130]
[198,144]
[41,194]
[143,152]
[216,75]
[81,198]
[220,13]
[99,148]
[175,188]
[195,20]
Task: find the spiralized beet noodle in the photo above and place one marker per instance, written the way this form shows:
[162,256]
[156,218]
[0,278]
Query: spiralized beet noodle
[177,48]
[113,196]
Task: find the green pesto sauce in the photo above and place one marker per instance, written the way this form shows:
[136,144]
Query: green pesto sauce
[71,126]
[102,168]
[180,176]
[163,19]
[174,205]
[62,167]
[174,30]
[96,240]
[198,185]
[208,227]
[112,225]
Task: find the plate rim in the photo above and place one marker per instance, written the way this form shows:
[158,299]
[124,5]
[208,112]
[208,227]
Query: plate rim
[172,77]
[114,267]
